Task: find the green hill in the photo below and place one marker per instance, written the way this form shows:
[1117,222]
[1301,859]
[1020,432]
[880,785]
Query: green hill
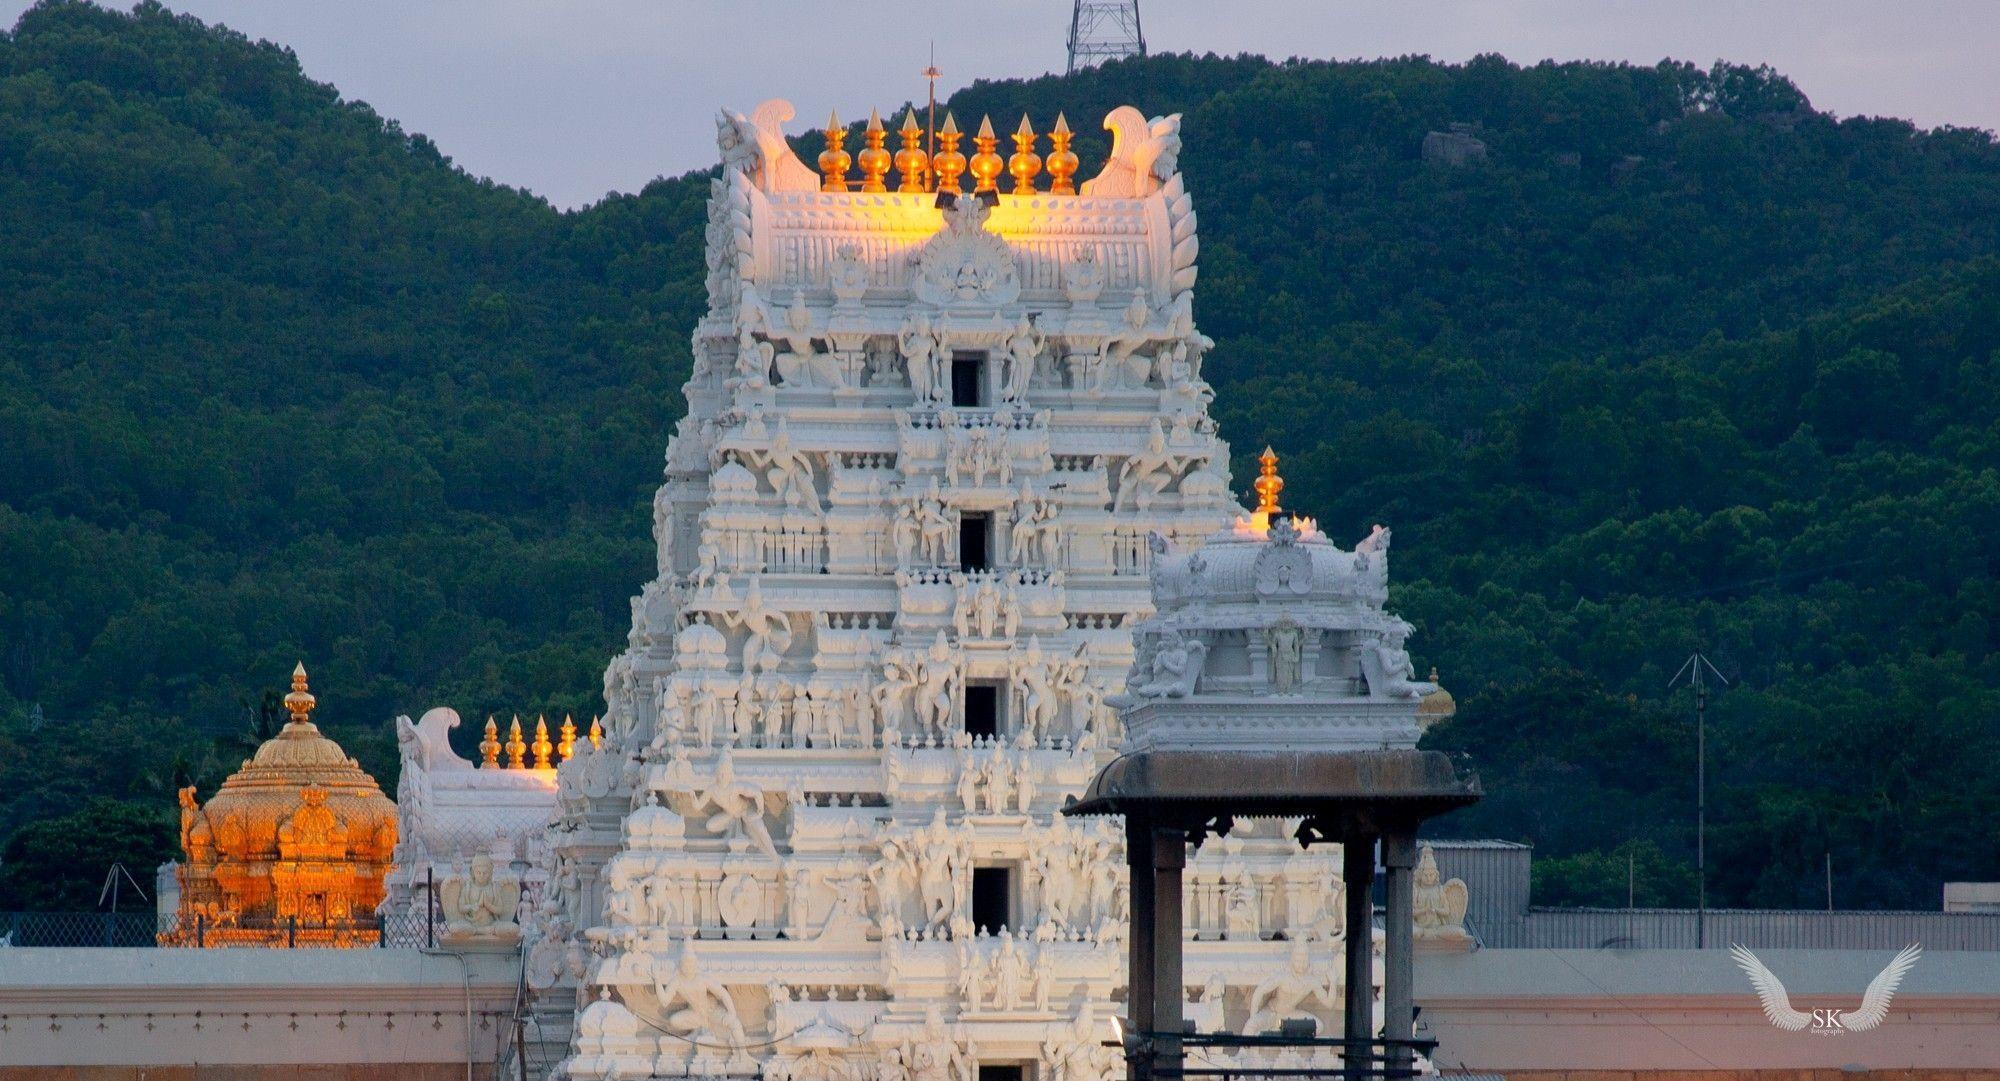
[1681,364]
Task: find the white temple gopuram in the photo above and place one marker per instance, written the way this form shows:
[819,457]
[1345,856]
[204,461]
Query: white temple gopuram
[933,440]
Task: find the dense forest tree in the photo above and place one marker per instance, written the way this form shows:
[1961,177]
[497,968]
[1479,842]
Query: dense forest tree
[1683,363]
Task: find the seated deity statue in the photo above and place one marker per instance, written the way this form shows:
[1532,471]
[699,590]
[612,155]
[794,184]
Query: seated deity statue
[694,1004]
[479,906]
[1439,910]
[1283,996]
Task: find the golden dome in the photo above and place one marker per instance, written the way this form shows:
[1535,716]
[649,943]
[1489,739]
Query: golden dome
[299,833]
[1436,706]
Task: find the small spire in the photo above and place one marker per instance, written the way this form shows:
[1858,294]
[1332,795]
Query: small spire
[542,747]
[948,162]
[489,747]
[986,165]
[1267,485]
[300,703]
[566,746]
[517,748]
[833,162]
[874,159]
[1025,163]
[911,161]
[596,734]
[1062,161]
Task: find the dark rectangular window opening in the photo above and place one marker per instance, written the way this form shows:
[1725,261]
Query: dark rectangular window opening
[967,370]
[992,907]
[975,542]
[1013,1072]
[982,709]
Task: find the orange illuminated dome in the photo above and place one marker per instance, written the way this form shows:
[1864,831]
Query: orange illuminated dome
[292,849]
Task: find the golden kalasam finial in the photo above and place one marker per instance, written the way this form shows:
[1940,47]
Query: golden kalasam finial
[873,159]
[489,747]
[948,163]
[1025,163]
[986,165]
[542,747]
[517,748]
[833,161]
[300,702]
[1062,162]
[911,161]
[596,734]
[566,746]
[1268,484]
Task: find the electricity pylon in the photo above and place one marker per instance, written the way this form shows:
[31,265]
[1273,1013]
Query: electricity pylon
[1104,31]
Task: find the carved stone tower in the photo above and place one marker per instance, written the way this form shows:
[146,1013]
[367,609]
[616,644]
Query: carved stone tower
[933,438]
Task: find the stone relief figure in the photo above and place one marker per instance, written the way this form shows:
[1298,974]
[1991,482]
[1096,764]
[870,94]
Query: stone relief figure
[938,1054]
[1083,276]
[1010,974]
[1286,642]
[1023,346]
[694,1004]
[962,264]
[905,530]
[1040,701]
[997,780]
[1076,1052]
[847,919]
[1440,905]
[942,872]
[893,877]
[935,526]
[1240,919]
[1291,993]
[937,678]
[1387,668]
[899,681]
[790,473]
[1207,1014]
[768,629]
[847,274]
[1146,473]
[739,807]
[1118,363]
[1176,664]
[800,365]
[479,906]
[923,357]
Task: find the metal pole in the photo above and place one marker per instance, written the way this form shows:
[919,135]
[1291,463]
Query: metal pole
[1829,881]
[430,894]
[1700,810]
[291,932]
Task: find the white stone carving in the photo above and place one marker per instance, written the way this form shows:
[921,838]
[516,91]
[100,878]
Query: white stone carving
[479,905]
[964,265]
[1440,906]
[786,777]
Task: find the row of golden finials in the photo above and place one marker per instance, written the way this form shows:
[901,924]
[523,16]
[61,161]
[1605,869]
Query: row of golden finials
[940,170]
[517,748]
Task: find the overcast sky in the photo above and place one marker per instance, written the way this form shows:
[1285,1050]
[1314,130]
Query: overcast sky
[574,98]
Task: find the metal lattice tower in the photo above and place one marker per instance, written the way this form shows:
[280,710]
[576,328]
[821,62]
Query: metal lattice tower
[1104,31]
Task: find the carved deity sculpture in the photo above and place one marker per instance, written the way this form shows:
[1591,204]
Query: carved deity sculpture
[768,629]
[479,906]
[1146,473]
[1286,642]
[1023,346]
[1387,668]
[1290,993]
[739,807]
[937,677]
[1175,667]
[694,1004]
[923,358]
[1440,905]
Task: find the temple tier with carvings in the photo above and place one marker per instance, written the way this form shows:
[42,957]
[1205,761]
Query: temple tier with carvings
[934,437]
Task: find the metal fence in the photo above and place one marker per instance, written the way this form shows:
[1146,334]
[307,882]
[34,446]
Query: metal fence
[1778,929]
[174,930]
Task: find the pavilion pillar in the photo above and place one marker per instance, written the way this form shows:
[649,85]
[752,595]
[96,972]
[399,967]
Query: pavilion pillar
[1399,862]
[1156,856]
[1357,872]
